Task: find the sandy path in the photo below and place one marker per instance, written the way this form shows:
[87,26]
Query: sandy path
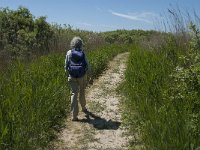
[102,128]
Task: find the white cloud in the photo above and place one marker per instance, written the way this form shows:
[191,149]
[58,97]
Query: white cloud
[144,16]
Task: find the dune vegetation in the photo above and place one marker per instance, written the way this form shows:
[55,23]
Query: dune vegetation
[162,80]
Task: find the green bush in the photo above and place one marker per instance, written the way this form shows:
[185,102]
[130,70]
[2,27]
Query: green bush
[23,35]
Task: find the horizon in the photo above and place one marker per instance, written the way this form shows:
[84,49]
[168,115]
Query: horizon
[103,16]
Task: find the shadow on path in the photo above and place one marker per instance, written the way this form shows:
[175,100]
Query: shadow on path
[100,123]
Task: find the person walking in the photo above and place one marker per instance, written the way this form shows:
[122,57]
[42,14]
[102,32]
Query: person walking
[76,64]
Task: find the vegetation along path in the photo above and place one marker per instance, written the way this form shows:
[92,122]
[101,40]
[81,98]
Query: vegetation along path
[102,128]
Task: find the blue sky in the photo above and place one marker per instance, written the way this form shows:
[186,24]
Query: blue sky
[103,15]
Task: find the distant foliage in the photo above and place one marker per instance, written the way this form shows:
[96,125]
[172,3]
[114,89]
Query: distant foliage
[128,36]
[64,34]
[22,34]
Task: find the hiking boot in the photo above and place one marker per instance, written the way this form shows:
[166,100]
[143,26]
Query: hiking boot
[75,119]
[85,111]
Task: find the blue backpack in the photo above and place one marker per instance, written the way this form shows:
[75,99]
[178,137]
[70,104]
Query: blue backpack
[77,64]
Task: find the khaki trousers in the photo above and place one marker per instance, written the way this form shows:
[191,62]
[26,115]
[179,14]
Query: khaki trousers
[77,86]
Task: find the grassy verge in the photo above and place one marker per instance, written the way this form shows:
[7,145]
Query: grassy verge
[162,101]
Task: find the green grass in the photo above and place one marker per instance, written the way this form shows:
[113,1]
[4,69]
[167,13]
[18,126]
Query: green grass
[34,98]
[100,57]
[162,101]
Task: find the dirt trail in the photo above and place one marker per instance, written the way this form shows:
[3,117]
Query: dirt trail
[102,128]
